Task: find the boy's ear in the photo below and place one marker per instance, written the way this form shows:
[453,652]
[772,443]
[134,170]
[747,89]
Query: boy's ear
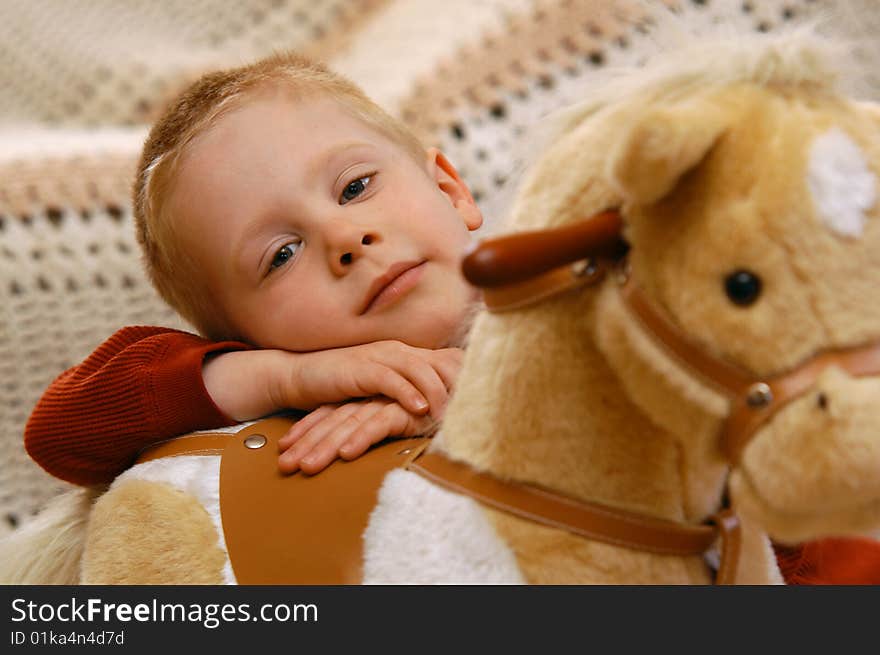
[449,182]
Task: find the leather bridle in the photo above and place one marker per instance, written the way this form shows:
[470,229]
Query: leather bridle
[522,269]
[754,400]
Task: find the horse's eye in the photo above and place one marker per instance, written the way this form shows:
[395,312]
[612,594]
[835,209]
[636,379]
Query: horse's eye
[742,287]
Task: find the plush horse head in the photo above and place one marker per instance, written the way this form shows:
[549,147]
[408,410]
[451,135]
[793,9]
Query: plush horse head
[737,342]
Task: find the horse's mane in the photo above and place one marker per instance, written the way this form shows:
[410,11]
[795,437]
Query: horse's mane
[687,62]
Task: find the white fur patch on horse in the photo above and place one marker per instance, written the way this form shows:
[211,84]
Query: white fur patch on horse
[421,534]
[196,475]
[841,183]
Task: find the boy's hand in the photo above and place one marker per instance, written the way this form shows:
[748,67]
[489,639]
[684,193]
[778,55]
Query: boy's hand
[345,431]
[253,383]
[420,379]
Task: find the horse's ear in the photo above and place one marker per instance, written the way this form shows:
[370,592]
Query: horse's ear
[661,146]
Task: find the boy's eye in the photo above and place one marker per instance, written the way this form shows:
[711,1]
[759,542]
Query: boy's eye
[285,254]
[353,189]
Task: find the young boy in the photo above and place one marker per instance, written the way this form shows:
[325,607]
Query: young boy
[317,245]
[279,209]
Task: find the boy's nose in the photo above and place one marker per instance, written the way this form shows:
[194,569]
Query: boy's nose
[346,245]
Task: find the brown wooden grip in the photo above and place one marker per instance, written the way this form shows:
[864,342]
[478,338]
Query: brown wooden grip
[517,257]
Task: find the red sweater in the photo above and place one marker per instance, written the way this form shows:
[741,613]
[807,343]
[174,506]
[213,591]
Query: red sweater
[834,561]
[144,384]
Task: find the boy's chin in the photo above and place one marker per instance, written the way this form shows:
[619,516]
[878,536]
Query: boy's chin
[441,331]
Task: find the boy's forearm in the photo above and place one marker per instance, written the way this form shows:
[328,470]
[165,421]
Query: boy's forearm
[141,385]
[244,385]
[250,384]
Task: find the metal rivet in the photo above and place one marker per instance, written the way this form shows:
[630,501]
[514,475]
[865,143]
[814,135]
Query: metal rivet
[583,268]
[759,395]
[623,273]
[255,441]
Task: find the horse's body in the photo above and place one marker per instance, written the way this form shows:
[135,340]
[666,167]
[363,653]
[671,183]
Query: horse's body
[747,167]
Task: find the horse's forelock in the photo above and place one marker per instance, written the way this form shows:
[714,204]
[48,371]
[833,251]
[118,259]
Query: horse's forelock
[841,183]
[793,58]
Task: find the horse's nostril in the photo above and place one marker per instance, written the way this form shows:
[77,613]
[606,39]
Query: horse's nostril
[822,401]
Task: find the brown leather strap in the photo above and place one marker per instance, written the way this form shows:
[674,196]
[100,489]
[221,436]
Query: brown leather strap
[593,521]
[745,419]
[725,377]
[745,416]
[205,443]
[599,522]
[730,531]
[540,287]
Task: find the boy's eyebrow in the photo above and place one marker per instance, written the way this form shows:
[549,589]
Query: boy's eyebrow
[328,155]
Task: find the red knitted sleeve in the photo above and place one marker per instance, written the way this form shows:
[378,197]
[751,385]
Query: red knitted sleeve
[832,561]
[142,385]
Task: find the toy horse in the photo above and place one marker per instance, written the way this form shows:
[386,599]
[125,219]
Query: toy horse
[681,320]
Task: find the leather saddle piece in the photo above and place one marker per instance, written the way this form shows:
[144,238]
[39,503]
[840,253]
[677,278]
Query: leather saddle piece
[300,529]
[308,530]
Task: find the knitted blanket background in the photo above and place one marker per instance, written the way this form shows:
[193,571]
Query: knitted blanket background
[82,80]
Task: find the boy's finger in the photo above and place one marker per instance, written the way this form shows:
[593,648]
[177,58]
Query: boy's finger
[359,442]
[289,460]
[390,421]
[303,425]
[427,380]
[388,382]
[326,450]
[413,365]
[369,433]
[448,364]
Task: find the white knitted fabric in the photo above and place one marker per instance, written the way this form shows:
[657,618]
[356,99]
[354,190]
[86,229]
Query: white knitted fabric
[69,276]
[99,62]
[83,79]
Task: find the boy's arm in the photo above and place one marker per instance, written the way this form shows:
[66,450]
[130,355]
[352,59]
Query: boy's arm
[831,561]
[248,385]
[142,385]
[146,384]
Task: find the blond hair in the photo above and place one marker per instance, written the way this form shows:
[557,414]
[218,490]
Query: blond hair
[170,269]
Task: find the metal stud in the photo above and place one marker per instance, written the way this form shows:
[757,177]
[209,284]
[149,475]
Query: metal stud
[584,268]
[759,395]
[255,441]
[622,273]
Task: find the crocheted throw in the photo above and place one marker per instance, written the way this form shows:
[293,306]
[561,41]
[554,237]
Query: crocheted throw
[82,84]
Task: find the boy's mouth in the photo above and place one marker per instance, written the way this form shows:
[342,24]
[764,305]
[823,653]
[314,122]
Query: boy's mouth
[391,285]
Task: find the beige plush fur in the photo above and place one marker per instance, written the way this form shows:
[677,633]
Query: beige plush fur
[48,549]
[149,533]
[842,437]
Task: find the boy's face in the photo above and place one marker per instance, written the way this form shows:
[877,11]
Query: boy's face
[315,231]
